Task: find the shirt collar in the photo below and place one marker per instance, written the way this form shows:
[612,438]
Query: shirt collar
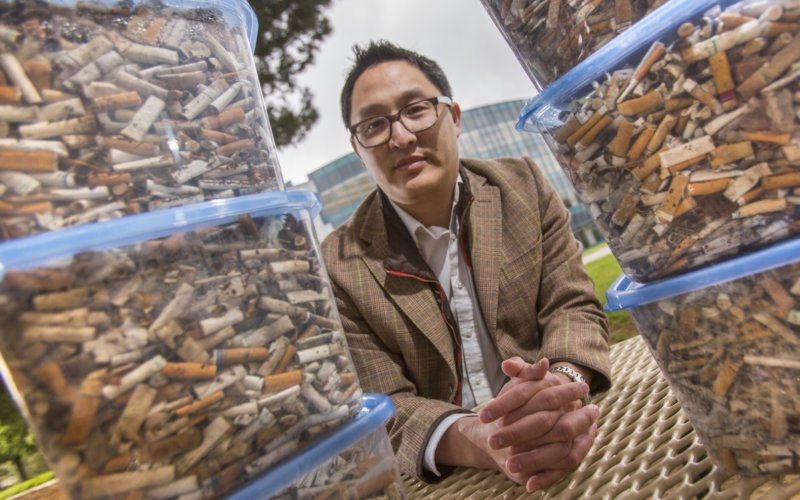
[413,225]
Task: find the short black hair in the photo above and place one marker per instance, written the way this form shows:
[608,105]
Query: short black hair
[383,51]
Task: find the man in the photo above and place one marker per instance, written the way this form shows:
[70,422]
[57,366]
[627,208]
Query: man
[452,278]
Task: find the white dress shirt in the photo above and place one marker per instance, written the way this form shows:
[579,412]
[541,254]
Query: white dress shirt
[483,377]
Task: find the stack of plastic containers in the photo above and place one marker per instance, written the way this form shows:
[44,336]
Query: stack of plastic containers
[680,136]
[166,325]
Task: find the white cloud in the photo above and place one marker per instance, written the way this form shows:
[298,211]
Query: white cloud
[458,34]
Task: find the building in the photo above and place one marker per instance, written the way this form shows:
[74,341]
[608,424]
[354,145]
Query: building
[486,132]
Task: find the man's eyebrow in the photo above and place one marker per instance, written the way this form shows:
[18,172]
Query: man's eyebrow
[373,110]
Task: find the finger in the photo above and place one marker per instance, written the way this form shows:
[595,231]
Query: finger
[525,430]
[516,367]
[570,426]
[539,459]
[510,400]
[544,479]
[549,398]
[580,448]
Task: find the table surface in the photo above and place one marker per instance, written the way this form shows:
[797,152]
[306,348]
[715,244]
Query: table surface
[645,448]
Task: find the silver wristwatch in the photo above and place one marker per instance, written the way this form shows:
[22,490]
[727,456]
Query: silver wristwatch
[576,377]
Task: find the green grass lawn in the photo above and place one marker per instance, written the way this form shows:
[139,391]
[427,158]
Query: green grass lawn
[26,485]
[603,273]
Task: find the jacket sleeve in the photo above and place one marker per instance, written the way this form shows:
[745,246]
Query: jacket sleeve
[574,327]
[382,370]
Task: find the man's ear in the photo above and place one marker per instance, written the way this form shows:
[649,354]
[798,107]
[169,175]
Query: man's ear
[455,111]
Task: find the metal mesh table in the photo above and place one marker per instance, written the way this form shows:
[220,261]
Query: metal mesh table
[645,448]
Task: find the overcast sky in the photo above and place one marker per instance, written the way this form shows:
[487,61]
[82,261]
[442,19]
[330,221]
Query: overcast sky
[458,34]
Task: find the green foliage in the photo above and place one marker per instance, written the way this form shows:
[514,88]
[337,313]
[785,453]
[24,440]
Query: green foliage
[603,273]
[25,485]
[15,439]
[290,32]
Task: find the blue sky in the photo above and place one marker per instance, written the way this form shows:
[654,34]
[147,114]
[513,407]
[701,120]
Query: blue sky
[458,34]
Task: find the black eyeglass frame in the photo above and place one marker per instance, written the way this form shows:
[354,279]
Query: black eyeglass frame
[442,99]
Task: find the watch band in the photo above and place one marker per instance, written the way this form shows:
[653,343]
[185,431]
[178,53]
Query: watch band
[576,377]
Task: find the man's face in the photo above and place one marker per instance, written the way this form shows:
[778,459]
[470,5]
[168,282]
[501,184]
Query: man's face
[410,166]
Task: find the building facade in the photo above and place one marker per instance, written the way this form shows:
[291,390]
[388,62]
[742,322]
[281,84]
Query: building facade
[486,132]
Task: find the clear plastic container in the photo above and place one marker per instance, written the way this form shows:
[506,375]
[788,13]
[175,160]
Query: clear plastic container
[727,339]
[115,108]
[184,352]
[550,37]
[697,163]
[355,462]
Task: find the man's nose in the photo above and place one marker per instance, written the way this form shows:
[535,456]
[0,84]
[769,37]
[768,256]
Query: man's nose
[401,138]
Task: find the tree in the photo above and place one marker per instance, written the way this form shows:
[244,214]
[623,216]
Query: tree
[290,32]
[16,441]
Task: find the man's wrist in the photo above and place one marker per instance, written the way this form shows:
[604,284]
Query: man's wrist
[569,372]
[586,373]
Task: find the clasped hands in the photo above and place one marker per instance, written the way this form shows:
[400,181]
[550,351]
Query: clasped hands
[535,430]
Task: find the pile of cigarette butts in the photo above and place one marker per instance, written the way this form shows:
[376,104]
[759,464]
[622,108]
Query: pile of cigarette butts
[367,470]
[180,367]
[730,353]
[692,156]
[109,111]
[551,36]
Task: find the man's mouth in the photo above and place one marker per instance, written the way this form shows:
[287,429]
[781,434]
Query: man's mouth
[409,162]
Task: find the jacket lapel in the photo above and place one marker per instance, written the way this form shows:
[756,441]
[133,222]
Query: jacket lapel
[415,298]
[485,225]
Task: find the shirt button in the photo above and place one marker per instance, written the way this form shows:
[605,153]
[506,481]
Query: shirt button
[452,238]
[459,285]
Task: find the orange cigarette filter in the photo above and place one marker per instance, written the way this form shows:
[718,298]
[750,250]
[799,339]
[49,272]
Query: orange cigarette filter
[708,187]
[641,142]
[200,405]
[29,161]
[189,371]
[241,355]
[281,381]
[791,179]
[584,129]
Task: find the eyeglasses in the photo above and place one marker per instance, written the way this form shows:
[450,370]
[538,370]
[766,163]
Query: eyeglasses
[415,117]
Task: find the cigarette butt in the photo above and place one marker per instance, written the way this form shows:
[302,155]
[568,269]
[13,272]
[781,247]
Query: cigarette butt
[666,211]
[38,279]
[201,404]
[791,179]
[708,187]
[648,102]
[235,147]
[108,179]
[41,207]
[29,161]
[347,378]
[687,205]
[727,373]
[570,126]
[761,207]
[649,166]
[375,483]
[40,71]
[82,419]
[189,371]
[677,104]
[240,355]
[623,11]
[116,101]
[751,195]
[222,120]
[281,381]
[730,153]
[641,143]
[10,95]
[137,148]
[51,375]
[585,128]
[217,136]
[598,127]
[664,128]
[169,447]
[766,136]
[674,169]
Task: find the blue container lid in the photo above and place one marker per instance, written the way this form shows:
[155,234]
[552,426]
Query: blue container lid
[376,409]
[658,25]
[41,249]
[235,12]
[625,293]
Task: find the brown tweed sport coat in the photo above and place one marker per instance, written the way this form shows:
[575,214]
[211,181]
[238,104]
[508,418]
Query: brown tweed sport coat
[533,290]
